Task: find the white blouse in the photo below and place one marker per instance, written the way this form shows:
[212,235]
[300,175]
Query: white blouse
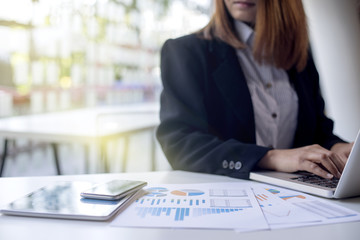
[274,99]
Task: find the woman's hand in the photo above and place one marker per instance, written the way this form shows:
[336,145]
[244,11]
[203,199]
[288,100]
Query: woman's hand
[343,150]
[314,159]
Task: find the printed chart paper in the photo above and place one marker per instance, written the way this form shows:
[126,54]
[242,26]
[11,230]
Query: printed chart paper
[211,205]
[243,206]
[324,210]
[279,212]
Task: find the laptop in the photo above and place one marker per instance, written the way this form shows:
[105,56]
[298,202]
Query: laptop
[347,186]
[63,200]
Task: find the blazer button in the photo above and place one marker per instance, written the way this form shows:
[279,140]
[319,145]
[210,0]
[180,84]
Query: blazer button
[238,165]
[225,164]
[231,165]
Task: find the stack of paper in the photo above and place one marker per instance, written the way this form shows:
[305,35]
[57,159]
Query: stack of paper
[243,206]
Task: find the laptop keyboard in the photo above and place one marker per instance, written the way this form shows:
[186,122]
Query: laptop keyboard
[316,180]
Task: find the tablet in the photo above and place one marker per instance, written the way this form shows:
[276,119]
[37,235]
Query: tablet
[62,200]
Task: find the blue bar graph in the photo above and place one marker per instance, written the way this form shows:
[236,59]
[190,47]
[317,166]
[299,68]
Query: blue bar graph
[177,215]
[197,212]
[157,201]
[180,214]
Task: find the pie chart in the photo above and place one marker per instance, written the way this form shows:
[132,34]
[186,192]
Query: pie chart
[187,192]
[156,192]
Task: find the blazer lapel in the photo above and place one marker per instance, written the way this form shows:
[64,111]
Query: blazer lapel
[231,82]
[303,120]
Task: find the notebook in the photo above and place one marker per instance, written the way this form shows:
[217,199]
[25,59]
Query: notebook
[347,186]
[63,200]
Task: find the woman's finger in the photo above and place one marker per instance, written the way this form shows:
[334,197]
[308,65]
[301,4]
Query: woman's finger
[322,158]
[338,161]
[315,169]
[329,155]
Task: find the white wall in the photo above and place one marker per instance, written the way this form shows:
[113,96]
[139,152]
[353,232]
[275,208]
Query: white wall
[334,27]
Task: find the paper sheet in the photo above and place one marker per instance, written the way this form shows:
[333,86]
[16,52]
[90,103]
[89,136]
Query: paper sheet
[243,206]
[213,205]
[282,213]
[321,209]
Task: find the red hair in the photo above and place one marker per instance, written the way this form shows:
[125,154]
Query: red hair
[281,32]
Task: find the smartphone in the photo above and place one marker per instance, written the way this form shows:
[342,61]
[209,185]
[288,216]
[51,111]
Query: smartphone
[113,190]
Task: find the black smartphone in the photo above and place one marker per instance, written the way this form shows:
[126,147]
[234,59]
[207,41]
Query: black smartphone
[113,190]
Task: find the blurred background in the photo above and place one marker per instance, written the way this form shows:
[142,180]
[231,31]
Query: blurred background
[60,55]
[63,54]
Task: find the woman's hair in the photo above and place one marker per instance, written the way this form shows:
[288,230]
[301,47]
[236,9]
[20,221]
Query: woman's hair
[281,32]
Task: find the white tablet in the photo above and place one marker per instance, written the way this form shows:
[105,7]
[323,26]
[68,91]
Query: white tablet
[62,200]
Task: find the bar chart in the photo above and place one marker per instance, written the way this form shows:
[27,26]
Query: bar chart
[218,205]
[179,214]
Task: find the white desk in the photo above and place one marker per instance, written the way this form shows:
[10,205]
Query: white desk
[93,126]
[40,228]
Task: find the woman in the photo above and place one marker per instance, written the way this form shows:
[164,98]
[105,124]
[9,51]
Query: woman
[243,93]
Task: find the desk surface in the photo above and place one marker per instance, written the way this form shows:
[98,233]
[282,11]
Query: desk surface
[83,124]
[41,228]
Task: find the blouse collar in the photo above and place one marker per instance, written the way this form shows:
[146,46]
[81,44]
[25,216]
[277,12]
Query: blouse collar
[244,32]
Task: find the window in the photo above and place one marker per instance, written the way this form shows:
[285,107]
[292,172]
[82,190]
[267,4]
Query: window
[63,54]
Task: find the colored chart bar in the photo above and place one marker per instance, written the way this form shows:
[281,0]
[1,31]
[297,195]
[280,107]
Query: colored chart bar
[197,212]
[262,197]
[157,201]
[180,213]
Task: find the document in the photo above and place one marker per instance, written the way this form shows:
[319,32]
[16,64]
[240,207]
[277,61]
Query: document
[279,212]
[306,210]
[241,206]
[211,205]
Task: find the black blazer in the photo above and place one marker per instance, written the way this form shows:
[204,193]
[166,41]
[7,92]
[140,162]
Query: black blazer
[207,119]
